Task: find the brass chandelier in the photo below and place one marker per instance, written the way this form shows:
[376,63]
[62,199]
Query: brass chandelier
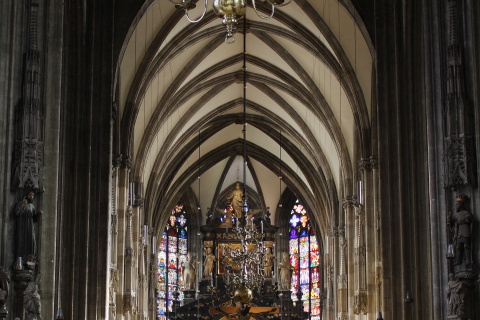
[229,10]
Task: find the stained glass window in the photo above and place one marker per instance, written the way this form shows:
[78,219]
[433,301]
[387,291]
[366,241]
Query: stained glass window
[172,253]
[305,258]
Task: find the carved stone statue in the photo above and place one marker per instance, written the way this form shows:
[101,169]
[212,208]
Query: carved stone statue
[463,232]
[456,297]
[26,215]
[31,300]
[208,263]
[189,271]
[285,270]
[268,263]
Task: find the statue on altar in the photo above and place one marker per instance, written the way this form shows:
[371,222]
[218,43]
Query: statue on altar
[285,270]
[209,263]
[189,271]
[268,263]
[235,199]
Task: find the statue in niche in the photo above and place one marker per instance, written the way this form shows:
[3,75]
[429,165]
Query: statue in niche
[31,300]
[268,263]
[455,297]
[285,270]
[208,263]
[189,271]
[26,215]
[462,232]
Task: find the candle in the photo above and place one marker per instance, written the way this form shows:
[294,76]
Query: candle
[236,222]
[261,223]
[252,224]
[211,279]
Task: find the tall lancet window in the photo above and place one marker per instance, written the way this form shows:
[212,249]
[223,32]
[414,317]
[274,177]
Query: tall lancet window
[172,253]
[305,258]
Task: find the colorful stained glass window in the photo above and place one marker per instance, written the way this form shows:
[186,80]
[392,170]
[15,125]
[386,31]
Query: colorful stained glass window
[172,253]
[305,258]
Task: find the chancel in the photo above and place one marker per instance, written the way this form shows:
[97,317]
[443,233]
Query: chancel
[240,159]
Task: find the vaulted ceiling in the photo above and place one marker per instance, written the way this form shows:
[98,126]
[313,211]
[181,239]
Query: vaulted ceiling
[308,102]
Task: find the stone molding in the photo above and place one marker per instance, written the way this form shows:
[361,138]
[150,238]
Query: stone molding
[126,162]
[368,164]
[360,303]
[349,202]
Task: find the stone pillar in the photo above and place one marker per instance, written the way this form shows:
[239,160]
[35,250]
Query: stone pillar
[367,252]
[360,298]
[348,206]
[21,279]
[373,231]
[143,237]
[114,279]
[142,282]
[342,279]
[329,303]
[130,295]
[123,174]
[152,279]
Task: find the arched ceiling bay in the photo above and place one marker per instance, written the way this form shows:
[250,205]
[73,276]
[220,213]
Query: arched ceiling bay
[180,90]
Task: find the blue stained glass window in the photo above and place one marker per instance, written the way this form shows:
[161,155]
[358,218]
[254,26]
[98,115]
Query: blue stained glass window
[294,220]
[305,258]
[172,253]
[293,234]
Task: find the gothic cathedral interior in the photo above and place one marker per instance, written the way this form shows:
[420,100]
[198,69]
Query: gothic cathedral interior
[240,159]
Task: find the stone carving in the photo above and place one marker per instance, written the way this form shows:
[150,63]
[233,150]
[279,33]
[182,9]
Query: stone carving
[208,264]
[4,280]
[268,263]
[26,215]
[285,270]
[117,160]
[127,162]
[139,201]
[189,271]
[28,156]
[460,163]
[360,303]
[129,302]
[31,300]
[114,111]
[462,233]
[456,297]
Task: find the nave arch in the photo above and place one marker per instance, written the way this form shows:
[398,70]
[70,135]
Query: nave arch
[178,90]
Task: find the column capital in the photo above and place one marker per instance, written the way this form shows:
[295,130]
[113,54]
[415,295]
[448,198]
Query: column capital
[139,201]
[368,164]
[349,202]
[117,160]
[127,162]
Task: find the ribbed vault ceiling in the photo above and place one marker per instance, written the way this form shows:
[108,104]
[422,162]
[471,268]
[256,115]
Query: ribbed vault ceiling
[180,90]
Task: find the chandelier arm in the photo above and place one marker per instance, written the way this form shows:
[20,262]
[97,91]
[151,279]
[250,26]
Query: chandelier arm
[201,17]
[262,16]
